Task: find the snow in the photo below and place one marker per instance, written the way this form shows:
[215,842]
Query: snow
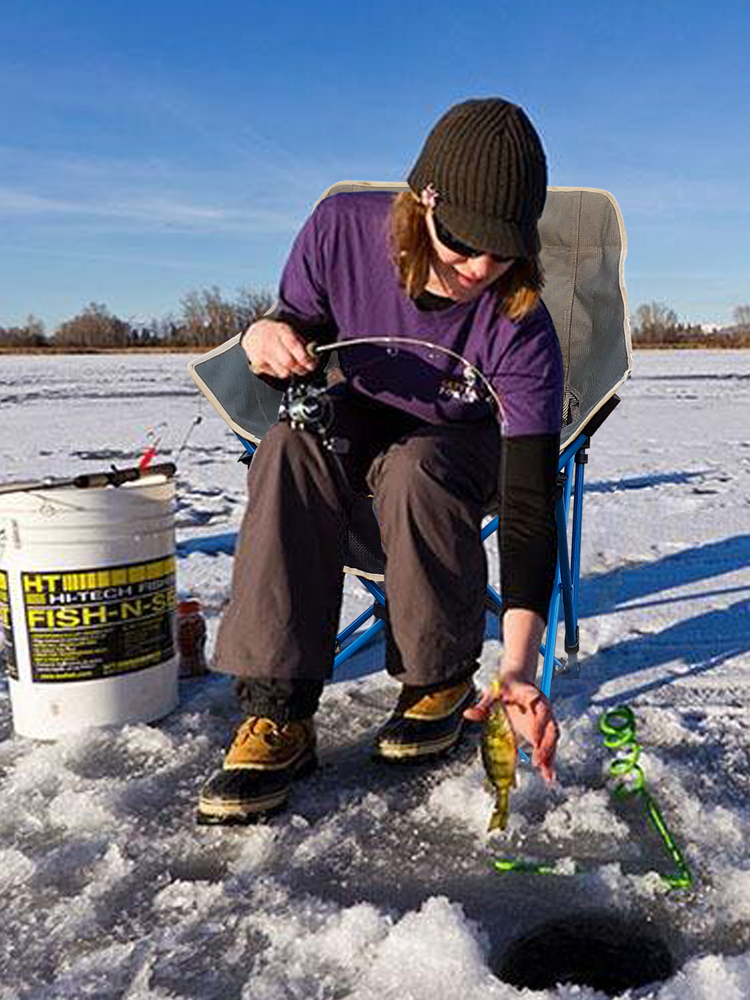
[377,882]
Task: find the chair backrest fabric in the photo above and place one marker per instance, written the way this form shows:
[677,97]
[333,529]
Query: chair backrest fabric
[583,253]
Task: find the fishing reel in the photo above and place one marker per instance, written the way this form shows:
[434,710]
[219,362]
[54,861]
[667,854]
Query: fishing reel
[306,405]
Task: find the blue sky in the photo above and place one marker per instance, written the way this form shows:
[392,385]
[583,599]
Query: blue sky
[147,149]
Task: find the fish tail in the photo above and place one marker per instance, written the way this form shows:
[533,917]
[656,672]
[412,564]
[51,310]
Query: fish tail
[499,817]
[498,820]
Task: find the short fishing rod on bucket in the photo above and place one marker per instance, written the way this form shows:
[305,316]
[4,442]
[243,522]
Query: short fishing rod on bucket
[113,476]
[92,480]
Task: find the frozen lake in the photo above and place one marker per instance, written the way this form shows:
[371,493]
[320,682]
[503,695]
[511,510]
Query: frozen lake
[377,882]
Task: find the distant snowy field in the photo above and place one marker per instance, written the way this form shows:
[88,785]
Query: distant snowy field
[376,884]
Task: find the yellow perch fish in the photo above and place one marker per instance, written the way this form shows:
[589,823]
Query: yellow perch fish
[499,757]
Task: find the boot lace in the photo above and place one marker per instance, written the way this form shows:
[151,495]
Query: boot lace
[259,727]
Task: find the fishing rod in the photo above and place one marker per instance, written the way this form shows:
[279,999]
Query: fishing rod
[471,373]
[307,405]
[91,480]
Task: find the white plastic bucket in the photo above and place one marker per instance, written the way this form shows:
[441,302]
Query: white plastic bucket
[87,598]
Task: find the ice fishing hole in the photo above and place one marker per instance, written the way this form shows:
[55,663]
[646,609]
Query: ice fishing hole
[600,950]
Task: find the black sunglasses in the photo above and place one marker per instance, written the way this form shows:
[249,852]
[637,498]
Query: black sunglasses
[452,243]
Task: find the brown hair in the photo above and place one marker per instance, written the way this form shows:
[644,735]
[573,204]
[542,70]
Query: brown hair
[519,288]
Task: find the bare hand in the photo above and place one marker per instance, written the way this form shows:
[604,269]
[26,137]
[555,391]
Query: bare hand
[276,349]
[531,716]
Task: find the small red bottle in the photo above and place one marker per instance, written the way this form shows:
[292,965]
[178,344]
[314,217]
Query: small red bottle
[191,639]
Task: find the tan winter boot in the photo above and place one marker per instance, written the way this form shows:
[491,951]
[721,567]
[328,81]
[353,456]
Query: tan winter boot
[425,724]
[259,768]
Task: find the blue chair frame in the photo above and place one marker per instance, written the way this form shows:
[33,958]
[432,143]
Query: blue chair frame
[573,459]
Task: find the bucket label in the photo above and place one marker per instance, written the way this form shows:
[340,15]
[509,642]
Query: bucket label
[7,649]
[87,624]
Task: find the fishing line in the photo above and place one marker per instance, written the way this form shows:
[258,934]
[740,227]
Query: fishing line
[195,421]
[618,728]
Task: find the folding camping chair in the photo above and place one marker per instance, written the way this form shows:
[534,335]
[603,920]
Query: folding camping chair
[583,253]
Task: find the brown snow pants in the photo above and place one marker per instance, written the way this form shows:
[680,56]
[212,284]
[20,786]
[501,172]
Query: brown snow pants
[430,485]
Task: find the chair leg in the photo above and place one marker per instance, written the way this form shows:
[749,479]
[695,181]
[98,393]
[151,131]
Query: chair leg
[376,610]
[361,640]
[572,637]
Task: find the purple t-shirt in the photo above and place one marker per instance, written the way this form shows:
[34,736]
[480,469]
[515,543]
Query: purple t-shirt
[340,277]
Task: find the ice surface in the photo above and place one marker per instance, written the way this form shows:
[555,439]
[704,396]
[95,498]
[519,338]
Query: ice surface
[377,883]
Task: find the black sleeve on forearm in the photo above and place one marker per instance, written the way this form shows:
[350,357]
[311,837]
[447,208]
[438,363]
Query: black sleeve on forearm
[528,532]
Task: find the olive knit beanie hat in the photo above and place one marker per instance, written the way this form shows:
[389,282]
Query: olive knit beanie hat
[483,169]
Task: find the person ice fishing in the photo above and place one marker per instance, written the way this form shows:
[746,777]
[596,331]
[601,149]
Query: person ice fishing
[452,261]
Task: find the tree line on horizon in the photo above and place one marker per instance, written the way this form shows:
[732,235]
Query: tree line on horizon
[207,318]
[654,324]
